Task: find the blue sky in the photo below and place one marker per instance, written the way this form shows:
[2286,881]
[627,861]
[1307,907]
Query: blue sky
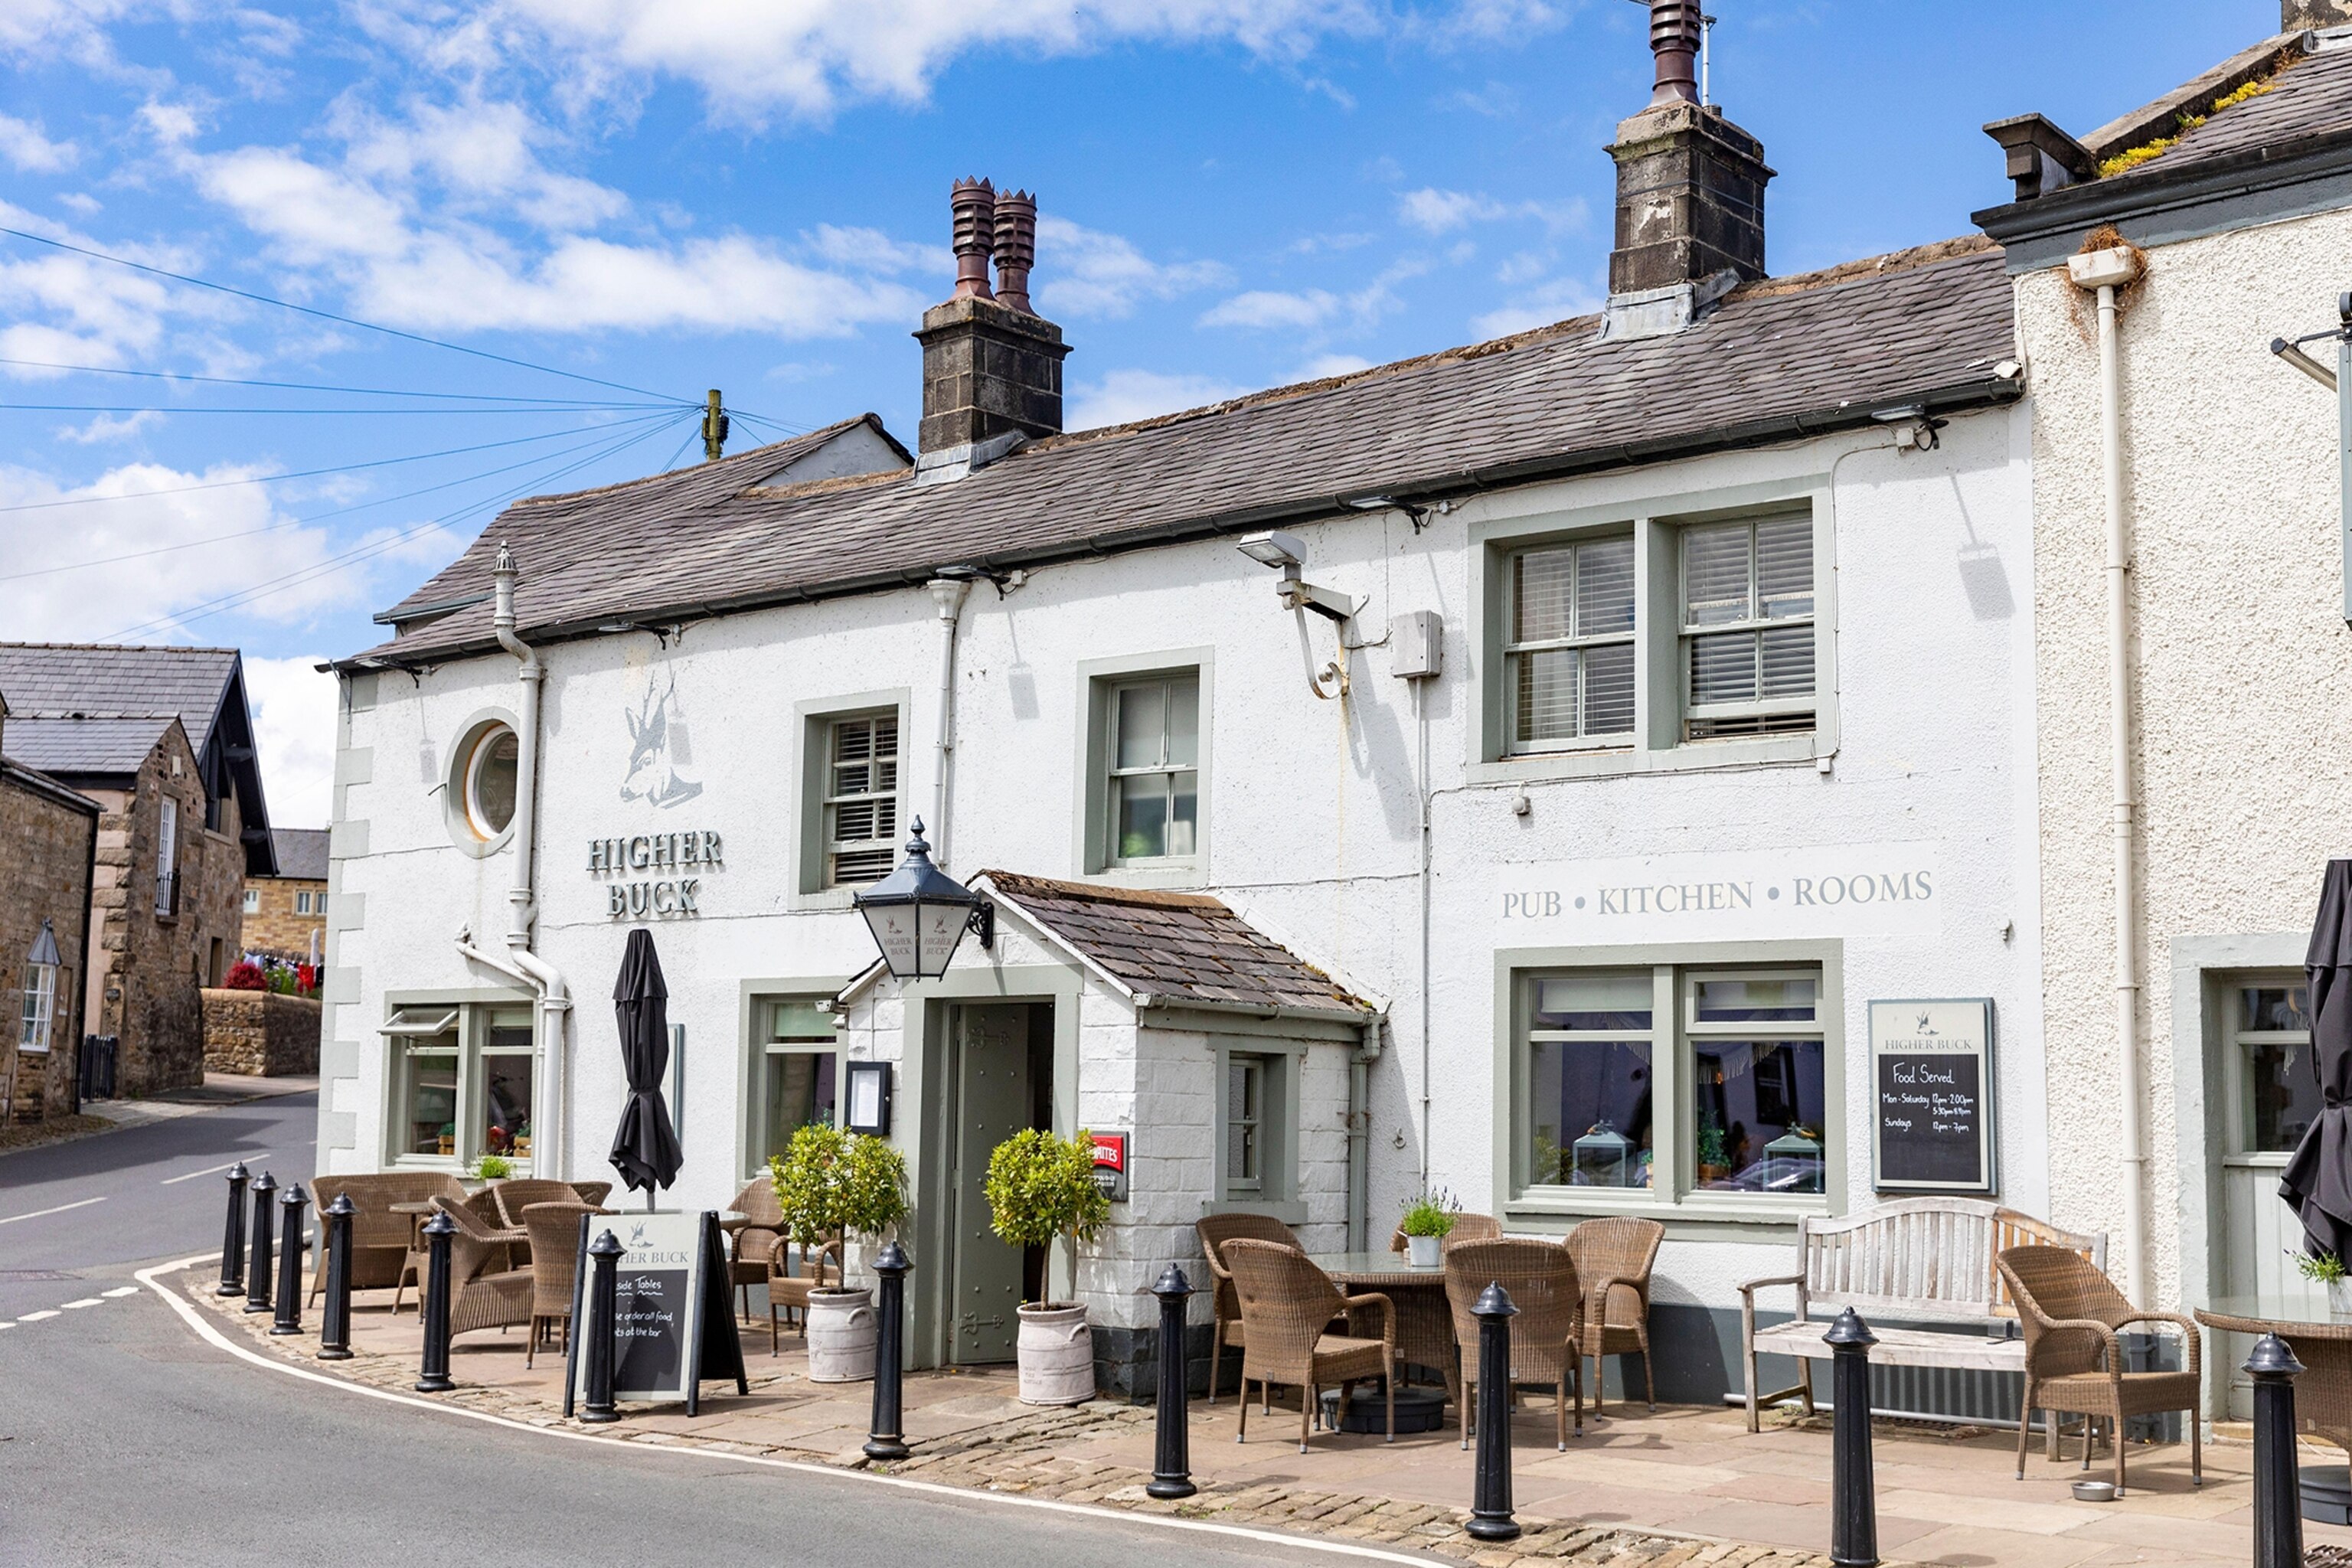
[675,194]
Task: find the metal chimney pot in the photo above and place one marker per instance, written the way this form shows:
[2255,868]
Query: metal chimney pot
[1016,249]
[975,205]
[1674,39]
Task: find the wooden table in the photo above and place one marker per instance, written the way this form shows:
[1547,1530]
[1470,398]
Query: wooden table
[2322,1391]
[1424,1318]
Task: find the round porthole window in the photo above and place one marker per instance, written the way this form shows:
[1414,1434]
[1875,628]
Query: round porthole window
[489,775]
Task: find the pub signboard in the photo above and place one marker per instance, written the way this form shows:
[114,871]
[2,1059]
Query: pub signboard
[1932,1095]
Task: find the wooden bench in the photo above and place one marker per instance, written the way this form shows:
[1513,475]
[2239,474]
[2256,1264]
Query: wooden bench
[1914,1258]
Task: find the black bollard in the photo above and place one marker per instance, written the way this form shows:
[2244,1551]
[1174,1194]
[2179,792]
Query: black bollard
[2278,1486]
[1854,1491]
[232,1281]
[289,1261]
[335,1318]
[888,1439]
[432,1372]
[257,1268]
[604,1297]
[1490,1502]
[1171,1464]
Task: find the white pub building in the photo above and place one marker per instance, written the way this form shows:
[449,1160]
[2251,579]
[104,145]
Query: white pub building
[1553,771]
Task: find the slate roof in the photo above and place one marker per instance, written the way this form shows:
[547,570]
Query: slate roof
[2310,99]
[47,681]
[301,852]
[1775,361]
[112,744]
[1177,947]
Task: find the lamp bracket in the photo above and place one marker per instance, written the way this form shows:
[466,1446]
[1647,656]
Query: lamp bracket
[982,923]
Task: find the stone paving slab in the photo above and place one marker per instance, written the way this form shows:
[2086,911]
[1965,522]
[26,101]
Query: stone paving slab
[1685,1488]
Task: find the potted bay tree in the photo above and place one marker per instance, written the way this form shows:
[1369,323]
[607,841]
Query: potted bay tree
[834,1186]
[1042,1188]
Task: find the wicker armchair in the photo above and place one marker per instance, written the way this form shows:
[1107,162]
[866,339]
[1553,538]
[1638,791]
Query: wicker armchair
[1548,1335]
[1613,1258]
[748,1250]
[485,1290]
[790,1279]
[517,1194]
[554,1229]
[379,1237]
[2073,1357]
[1466,1227]
[1287,1305]
[1216,1230]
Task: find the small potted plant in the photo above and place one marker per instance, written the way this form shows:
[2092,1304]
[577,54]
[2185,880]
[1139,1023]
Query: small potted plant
[2327,1269]
[1714,1164]
[832,1185]
[1428,1221]
[489,1168]
[1039,1188]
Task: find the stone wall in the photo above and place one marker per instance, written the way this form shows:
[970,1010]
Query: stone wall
[275,925]
[260,1033]
[151,962]
[45,846]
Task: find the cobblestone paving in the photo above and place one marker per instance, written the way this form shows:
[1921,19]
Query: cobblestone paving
[1026,1454]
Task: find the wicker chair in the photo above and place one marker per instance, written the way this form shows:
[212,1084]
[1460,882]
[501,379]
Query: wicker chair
[1287,1305]
[1216,1230]
[1613,1258]
[790,1279]
[487,1291]
[1466,1227]
[2074,1358]
[748,1251]
[517,1194]
[379,1237]
[1548,1335]
[554,1230]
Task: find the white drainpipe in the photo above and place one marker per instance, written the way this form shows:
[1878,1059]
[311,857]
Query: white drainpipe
[948,594]
[2103,272]
[553,997]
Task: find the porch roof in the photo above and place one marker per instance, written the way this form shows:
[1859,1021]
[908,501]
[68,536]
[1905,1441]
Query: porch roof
[1169,949]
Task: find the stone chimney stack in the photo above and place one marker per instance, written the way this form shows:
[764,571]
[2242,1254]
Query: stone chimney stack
[1690,194]
[991,366]
[2295,16]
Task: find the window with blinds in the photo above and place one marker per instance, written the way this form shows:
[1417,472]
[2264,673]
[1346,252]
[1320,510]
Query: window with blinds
[1570,655]
[861,803]
[1748,628]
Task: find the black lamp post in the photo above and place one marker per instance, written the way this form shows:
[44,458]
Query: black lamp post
[919,914]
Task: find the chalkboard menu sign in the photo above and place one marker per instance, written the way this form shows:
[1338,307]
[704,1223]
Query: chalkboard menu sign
[673,1322]
[1932,1083]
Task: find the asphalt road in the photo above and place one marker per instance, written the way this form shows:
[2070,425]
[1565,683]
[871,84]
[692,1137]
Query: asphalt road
[125,1439]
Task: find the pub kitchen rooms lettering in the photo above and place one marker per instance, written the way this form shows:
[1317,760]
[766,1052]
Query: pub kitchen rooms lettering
[686,857]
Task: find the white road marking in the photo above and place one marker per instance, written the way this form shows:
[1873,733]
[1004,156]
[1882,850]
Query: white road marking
[35,1317]
[118,1291]
[61,1208]
[208,1171]
[7,1322]
[85,1301]
[218,1340]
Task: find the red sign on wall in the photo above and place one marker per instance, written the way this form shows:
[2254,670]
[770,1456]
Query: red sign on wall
[1111,1165]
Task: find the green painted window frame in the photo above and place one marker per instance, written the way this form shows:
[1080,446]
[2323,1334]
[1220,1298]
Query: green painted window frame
[1276,1191]
[767,1043]
[1097,680]
[476,1016]
[814,723]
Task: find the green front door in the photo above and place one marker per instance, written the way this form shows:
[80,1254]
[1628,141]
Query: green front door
[992,1104]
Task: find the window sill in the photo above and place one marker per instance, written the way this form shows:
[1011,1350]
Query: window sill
[828,899]
[1697,756]
[1159,874]
[1288,1213]
[1693,1218]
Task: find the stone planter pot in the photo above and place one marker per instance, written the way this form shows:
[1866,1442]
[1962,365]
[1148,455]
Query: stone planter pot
[1057,1351]
[841,1328]
[1425,1251]
[2339,1298]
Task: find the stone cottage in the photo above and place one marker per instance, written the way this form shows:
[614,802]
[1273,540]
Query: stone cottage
[284,909]
[49,844]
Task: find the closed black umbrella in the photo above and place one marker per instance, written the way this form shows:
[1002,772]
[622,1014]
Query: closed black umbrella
[2318,1180]
[645,1148]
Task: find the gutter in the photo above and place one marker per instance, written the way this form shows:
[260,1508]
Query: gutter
[1954,397]
[554,999]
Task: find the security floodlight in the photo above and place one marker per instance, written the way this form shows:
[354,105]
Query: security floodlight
[1276,549]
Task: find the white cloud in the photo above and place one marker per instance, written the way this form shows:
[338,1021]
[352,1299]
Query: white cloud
[483,157]
[25,144]
[1272,308]
[109,428]
[294,730]
[74,29]
[1323,366]
[1085,272]
[1128,394]
[753,58]
[154,551]
[1435,211]
[1554,301]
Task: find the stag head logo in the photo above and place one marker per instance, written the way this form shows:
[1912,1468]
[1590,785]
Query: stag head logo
[657,744]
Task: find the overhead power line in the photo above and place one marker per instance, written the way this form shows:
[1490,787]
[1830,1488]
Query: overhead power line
[330,315]
[318,386]
[377,413]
